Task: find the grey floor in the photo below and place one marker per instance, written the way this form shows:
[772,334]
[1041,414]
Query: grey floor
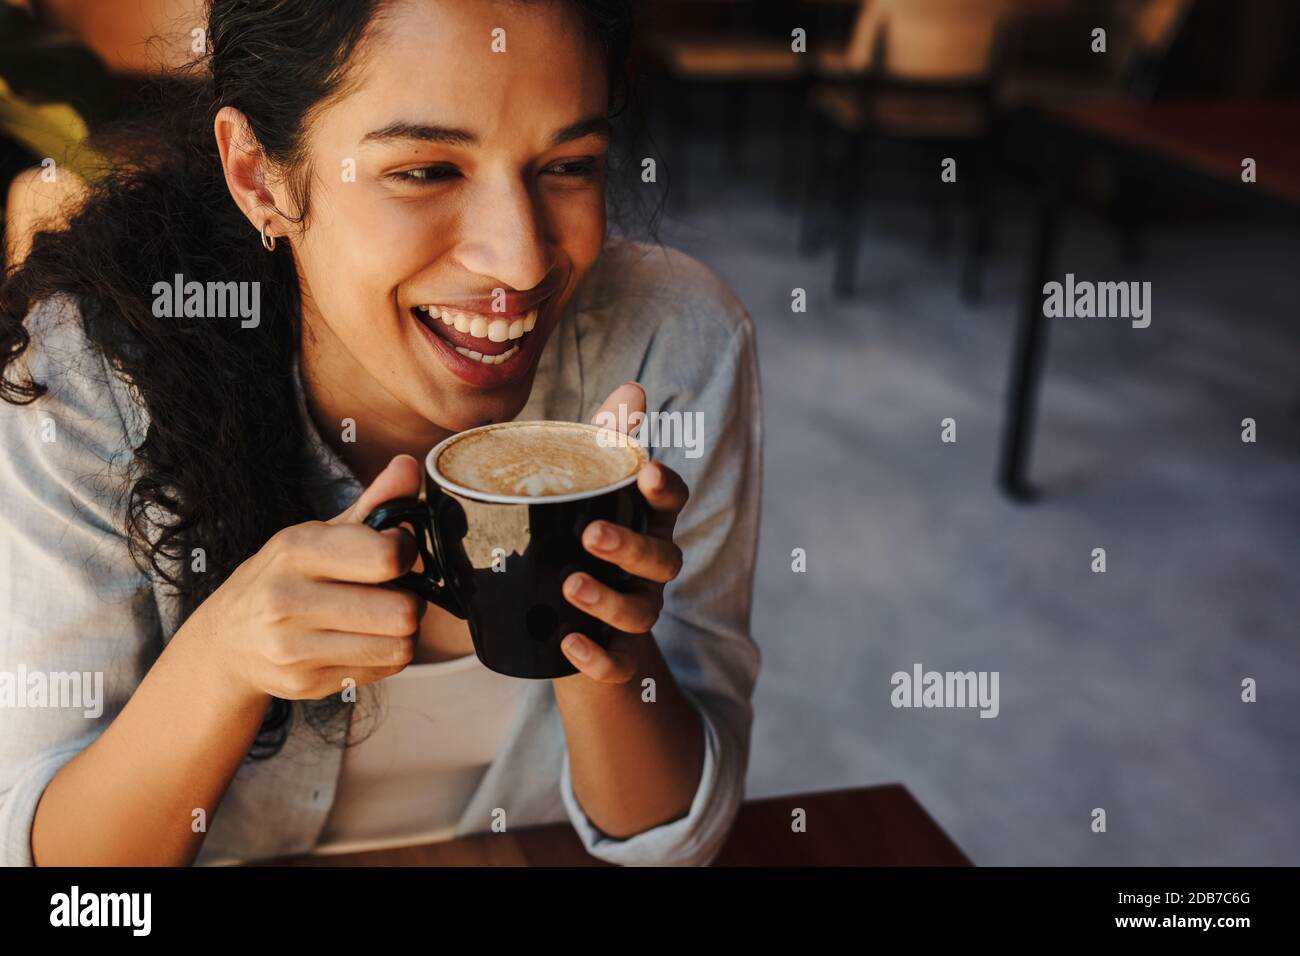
[1118,690]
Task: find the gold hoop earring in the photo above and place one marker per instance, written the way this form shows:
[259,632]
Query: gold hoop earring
[267,241]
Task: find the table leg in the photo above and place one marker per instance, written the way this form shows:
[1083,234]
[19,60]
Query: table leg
[1031,333]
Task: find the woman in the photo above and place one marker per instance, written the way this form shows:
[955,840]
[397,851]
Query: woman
[183,496]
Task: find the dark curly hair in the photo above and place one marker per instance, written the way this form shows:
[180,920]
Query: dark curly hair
[222,457]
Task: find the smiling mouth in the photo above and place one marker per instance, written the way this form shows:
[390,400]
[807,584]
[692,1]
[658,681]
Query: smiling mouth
[487,339]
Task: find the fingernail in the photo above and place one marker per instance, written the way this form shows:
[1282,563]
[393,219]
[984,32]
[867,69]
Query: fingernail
[656,477]
[601,536]
[577,647]
[582,588]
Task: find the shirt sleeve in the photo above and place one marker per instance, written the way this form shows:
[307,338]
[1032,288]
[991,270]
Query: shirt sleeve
[704,628]
[78,619]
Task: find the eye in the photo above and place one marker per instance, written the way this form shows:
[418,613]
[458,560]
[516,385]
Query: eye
[426,174]
[575,168]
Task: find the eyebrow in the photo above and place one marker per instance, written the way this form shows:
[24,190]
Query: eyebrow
[591,126]
[449,136]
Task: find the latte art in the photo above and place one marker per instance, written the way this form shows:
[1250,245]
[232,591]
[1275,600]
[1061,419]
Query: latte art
[539,459]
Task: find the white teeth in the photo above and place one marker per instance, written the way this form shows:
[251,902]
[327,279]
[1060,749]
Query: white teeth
[487,359]
[481,327]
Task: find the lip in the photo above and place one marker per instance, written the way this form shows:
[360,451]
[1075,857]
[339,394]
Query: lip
[475,373]
[498,304]
[503,303]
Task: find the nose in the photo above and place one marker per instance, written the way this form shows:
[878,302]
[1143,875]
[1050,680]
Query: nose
[503,235]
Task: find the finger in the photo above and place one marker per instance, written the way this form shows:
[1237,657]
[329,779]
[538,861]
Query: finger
[332,681]
[654,559]
[666,494]
[322,648]
[350,552]
[363,609]
[624,410]
[614,665]
[403,477]
[632,613]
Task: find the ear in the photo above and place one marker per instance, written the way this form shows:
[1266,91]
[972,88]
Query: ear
[245,167]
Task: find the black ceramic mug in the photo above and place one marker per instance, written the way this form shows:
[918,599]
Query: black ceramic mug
[499,561]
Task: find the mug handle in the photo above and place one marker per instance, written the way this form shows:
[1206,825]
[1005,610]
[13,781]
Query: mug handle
[415,511]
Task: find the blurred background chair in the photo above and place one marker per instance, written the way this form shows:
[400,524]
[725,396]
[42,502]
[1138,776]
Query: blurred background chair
[920,73]
[734,51]
[1044,74]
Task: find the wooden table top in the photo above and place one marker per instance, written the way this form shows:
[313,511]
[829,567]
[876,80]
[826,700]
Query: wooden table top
[867,826]
[1211,136]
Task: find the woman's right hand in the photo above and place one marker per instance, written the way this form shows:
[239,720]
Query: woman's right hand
[305,612]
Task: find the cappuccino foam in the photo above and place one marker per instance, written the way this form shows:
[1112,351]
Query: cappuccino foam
[539,459]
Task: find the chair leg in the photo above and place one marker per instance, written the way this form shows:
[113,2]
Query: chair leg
[849,184]
[792,133]
[940,238]
[983,186]
[810,232]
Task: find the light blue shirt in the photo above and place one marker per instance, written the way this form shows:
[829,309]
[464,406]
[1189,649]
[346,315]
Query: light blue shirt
[73,600]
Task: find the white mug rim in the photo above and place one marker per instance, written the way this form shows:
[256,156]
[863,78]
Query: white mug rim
[489,498]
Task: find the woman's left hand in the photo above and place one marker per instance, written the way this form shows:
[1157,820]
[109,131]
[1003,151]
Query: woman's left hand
[651,558]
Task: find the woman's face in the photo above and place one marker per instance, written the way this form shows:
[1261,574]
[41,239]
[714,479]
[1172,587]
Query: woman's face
[457,200]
